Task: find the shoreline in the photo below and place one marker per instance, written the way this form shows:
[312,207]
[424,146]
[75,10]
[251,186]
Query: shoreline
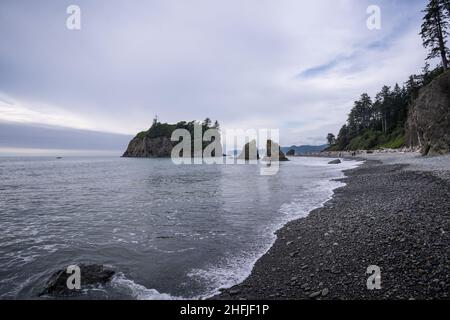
[386,215]
[356,162]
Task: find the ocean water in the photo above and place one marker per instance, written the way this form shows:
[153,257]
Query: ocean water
[170,232]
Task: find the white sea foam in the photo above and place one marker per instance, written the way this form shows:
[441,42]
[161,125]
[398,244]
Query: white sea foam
[36,242]
[234,270]
[137,291]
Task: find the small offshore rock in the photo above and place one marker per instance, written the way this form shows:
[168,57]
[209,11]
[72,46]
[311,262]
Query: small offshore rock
[337,161]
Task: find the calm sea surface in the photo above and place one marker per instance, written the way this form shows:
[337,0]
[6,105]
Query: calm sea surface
[169,231]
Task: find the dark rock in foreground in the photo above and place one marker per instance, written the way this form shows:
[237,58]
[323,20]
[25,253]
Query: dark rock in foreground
[91,275]
[337,161]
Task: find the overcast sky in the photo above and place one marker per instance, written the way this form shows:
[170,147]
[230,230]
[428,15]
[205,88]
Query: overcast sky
[288,64]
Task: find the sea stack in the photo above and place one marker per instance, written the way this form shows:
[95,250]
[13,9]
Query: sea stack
[274,152]
[156,142]
[249,152]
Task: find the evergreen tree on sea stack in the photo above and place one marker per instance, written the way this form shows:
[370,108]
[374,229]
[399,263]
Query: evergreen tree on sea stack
[435,30]
[207,122]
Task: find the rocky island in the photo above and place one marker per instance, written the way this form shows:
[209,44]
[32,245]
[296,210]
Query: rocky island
[156,142]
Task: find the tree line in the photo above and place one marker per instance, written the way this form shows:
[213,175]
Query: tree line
[380,122]
[159,129]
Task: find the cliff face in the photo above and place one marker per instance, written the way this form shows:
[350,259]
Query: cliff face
[146,147]
[428,125]
[156,142]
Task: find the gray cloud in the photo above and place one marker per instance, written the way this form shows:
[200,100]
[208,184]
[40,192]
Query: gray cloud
[235,61]
[16,135]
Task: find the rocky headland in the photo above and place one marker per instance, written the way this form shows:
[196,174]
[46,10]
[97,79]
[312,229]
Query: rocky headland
[428,124]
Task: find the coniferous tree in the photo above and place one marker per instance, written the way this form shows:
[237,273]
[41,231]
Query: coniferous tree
[384,103]
[331,139]
[412,87]
[370,125]
[446,4]
[155,120]
[381,123]
[435,30]
[207,122]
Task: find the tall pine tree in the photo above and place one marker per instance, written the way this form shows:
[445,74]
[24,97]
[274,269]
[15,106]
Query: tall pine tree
[435,30]
[446,4]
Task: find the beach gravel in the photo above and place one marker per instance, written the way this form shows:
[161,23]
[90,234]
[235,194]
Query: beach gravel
[385,216]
